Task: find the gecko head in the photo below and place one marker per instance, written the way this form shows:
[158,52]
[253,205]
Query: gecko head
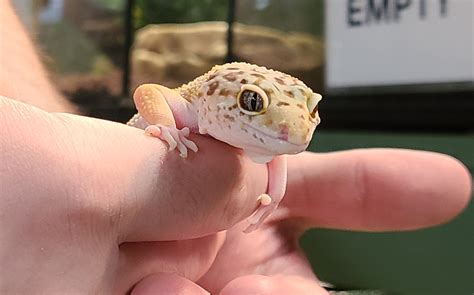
[264,112]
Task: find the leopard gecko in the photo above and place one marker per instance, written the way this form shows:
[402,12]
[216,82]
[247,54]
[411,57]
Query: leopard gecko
[264,112]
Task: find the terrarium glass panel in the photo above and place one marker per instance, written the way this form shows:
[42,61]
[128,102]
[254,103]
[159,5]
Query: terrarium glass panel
[282,35]
[176,41]
[82,45]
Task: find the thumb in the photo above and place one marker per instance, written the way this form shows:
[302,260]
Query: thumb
[167,284]
[185,259]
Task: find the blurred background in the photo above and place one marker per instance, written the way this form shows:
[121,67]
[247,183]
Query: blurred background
[393,73]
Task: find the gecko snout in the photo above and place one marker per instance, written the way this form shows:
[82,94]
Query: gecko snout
[283,131]
[297,135]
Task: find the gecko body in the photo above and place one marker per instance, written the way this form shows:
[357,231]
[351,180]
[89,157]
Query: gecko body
[266,113]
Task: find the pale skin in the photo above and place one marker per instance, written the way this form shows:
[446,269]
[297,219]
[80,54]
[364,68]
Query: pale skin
[74,194]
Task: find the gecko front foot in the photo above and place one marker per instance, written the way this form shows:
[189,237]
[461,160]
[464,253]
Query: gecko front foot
[174,137]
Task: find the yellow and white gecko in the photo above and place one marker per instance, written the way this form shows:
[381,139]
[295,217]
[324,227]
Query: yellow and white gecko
[264,112]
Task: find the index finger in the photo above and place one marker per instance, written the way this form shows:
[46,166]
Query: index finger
[126,182]
[376,189]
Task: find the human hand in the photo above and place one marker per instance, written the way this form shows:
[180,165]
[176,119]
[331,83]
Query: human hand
[90,206]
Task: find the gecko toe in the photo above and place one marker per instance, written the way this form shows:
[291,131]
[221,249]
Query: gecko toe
[184,132]
[176,139]
[189,144]
[169,138]
[264,199]
[183,150]
[153,130]
[259,216]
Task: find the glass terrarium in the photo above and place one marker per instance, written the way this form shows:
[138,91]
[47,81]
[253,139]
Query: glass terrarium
[84,48]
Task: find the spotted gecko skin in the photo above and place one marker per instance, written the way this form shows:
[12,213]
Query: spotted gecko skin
[211,104]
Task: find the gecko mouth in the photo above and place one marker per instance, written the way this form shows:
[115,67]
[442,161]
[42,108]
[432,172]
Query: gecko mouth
[285,140]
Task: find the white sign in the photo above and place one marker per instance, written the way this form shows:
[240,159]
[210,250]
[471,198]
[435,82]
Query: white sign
[393,42]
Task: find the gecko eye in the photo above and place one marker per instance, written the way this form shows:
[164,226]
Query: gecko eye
[313,103]
[251,102]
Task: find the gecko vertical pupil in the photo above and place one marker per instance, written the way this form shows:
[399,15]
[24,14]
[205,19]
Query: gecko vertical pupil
[251,101]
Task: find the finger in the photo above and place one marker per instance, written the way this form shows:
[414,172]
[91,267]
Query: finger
[258,284]
[126,183]
[167,284]
[376,189]
[145,193]
[186,198]
[189,259]
[273,250]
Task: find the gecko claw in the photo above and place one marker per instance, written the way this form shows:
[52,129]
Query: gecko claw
[174,137]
